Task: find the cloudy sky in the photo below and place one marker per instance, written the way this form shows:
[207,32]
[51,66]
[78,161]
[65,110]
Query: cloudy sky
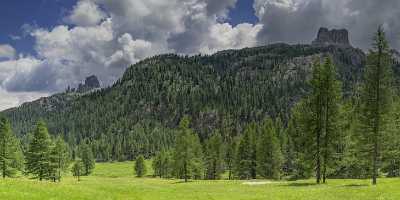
[46,45]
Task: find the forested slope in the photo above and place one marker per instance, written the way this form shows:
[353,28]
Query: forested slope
[223,91]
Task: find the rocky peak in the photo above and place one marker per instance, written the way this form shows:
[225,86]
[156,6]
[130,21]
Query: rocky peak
[332,37]
[91,82]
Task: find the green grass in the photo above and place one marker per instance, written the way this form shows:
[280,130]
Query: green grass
[117,181]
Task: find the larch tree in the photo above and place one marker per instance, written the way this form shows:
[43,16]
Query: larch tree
[331,101]
[38,155]
[60,158]
[87,159]
[376,100]
[187,153]
[214,156]
[8,149]
[245,163]
[269,155]
[140,166]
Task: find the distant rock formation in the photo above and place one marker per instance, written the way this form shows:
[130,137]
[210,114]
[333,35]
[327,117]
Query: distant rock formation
[91,82]
[332,37]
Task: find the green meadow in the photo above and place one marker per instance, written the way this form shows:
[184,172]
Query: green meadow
[116,181]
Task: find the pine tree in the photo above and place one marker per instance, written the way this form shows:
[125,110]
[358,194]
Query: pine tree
[140,166]
[38,155]
[214,156]
[8,149]
[162,164]
[87,159]
[376,98]
[245,159]
[269,155]
[187,154]
[230,156]
[78,169]
[60,158]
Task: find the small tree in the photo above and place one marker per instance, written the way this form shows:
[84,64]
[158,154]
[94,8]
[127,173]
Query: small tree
[162,164]
[87,159]
[140,166]
[77,169]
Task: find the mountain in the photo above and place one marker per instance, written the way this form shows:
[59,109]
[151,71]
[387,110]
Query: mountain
[228,89]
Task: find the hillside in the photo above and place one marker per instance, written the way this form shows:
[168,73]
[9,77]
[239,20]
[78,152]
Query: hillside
[225,91]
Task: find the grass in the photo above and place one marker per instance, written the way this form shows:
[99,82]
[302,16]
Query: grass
[116,181]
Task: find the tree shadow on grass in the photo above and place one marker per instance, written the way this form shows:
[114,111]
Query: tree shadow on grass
[355,185]
[299,184]
[180,182]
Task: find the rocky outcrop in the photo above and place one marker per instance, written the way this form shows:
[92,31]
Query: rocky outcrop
[332,37]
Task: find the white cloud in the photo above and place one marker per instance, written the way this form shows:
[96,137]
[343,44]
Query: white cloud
[6,51]
[13,99]
[86,13]
[224,36]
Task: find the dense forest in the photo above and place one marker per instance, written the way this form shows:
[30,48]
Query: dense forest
[279,111]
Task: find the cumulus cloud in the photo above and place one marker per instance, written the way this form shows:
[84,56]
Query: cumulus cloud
[224,36]
[6,51]
[85,13]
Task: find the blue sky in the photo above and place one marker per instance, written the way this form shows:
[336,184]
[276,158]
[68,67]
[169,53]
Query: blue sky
[14,14]
[17,15]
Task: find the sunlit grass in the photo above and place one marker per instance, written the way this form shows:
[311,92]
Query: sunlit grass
[117,181]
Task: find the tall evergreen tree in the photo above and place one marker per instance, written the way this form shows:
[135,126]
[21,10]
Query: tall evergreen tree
[187,154]
[60,158]
[214,156]
[317,108]
[269,155]
[331,102]
[77,169]
[8,149]
[38,155]
[87,159]
[376,98]
[230,155]
[140,166]
[245,159]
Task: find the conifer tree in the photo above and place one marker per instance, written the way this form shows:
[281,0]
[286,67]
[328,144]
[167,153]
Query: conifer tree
[269,155]
[162,164]
[87,159]
[230,156]
[140,166]
[214,156]
[376,98]
[78,169]
[331,102]
[60,158]
[38,155]
[187,153]
[245,159]
[8,149]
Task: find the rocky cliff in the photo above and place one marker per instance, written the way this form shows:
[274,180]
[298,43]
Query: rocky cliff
[332,37]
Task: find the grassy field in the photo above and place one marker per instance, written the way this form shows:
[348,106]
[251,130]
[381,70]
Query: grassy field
[116,181]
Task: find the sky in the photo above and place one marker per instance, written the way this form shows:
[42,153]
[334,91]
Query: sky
[48,45]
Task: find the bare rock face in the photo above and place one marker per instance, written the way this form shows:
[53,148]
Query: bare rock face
[332,37]
[92,82]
